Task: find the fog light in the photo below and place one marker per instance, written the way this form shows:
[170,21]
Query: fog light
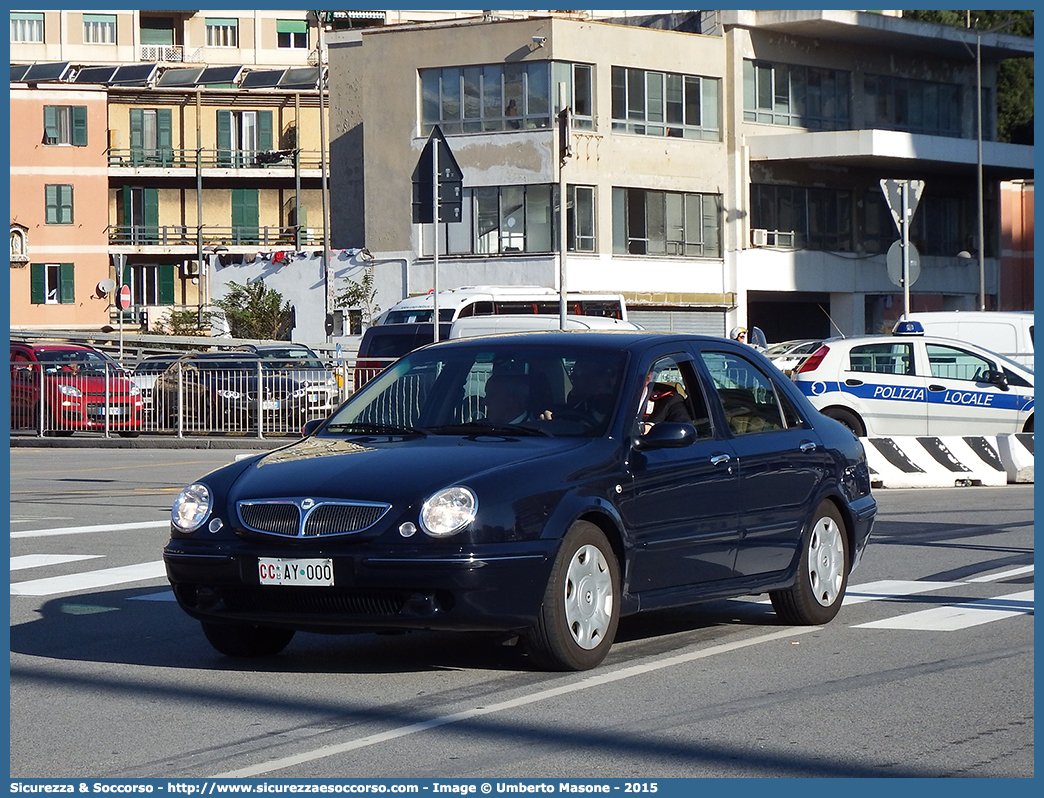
[408,530]
[215,525]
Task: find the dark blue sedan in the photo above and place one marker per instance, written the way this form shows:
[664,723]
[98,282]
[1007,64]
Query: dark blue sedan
[539,485]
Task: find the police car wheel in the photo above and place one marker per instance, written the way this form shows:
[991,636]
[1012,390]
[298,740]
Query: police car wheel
[848,418]
[822,576]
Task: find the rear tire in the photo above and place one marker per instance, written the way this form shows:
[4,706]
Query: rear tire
[581,608]
[848,418]
[246,640]
[819,587]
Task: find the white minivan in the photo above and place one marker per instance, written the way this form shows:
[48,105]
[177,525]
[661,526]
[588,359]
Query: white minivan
[1008,333]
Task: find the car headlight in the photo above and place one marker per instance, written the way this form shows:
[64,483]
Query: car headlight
[69,390]
[224,394]
[448,511]
[300,393]
[191,507]
[134,390]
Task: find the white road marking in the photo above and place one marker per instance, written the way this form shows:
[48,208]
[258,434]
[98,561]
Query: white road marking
[959,616]
[81,530]
[37,560]
[891,588]
[74,583]
[598,680]
[1025,569]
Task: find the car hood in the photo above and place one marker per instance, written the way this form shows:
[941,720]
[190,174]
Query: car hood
[387,469]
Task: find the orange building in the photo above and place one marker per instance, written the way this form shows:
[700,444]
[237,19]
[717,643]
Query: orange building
[1016,257]
[59,173]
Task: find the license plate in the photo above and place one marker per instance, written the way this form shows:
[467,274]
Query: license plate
[270,404]
[313,397]
[291,571]
[111,411]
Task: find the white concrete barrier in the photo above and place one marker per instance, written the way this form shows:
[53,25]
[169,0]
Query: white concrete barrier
[938,462]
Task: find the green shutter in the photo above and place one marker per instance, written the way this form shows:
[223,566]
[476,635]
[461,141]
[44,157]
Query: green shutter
[224,138]
[150,210]
[50,124]
[79,125]
[264,128]
[137,135]
[166,284]
[291,26]
[165,136]
[245,215]
[66,284]
[37,283]
[51,204]
[127,273]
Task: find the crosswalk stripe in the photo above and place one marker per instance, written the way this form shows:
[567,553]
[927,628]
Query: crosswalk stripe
[1025,569]
[891,588]
[106,577]
[81,530]
[38,560]
[959,616]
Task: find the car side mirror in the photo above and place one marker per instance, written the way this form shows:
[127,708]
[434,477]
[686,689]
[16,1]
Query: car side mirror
[667,435]
[311,426]
[994,377]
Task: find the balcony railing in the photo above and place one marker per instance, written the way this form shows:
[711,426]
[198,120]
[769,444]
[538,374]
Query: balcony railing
[214,159]
[184,235]
[162,52]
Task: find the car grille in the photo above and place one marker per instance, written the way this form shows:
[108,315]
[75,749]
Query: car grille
[315,601]
[305,518]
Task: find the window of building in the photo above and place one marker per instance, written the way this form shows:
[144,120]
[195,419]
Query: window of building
[65,124]
[292,33]
[138,215]
[150,284]
[241,135]
[52,284]
[934,230]
[665,104]
[803,218]
[222,32]
[151,136]
[579,80]
[58,199]
[27,27]
[99,29]
[787,94]
[245,215]
[478,99]
[666,223]
[914,106]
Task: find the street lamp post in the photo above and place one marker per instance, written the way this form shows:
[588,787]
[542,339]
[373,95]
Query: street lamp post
[328,278]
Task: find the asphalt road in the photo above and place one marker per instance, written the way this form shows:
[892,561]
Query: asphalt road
[927,671]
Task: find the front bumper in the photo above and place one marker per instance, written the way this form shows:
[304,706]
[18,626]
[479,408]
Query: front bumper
[495,588]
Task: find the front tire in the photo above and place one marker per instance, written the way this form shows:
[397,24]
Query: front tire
[581,608]
[819,588]
[246,640]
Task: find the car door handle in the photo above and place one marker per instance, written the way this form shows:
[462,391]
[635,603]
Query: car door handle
[719,459]
[936,388]
[853,382]
[807,446]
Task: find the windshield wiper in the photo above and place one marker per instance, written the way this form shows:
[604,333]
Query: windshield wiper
[374,428]
[491,427]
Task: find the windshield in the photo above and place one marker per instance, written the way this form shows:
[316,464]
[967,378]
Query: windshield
[290,359]
[76,360]
[491,389]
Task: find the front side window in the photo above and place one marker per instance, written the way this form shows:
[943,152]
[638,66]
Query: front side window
[951,363]
[666,223]
[789,94]
[665,104]
[52,284]
[803,218]
[222,32]
[65,124]
[58,200]
[747,396]
[27,27]
[292,34]
[99,29]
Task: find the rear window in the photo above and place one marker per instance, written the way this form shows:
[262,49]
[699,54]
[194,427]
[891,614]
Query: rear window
[392,344]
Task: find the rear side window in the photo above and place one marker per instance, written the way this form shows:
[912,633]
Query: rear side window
[747,395]
[883,358]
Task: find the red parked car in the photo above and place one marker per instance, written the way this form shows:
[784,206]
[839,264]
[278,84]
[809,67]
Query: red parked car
[81,389]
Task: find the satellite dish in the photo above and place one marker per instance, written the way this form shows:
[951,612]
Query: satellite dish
[106,286]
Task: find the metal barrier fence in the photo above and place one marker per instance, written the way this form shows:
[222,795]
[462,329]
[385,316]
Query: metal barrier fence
[187,399]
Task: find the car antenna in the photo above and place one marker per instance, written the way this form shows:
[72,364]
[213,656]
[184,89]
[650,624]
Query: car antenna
[839,332]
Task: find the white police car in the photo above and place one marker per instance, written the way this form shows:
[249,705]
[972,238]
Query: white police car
[910,384]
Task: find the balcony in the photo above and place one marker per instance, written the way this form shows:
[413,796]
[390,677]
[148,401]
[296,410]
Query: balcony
[139,158]
[180,236]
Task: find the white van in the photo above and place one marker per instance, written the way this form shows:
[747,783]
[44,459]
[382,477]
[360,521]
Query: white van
[473,326]
[496,300]
[1004,332]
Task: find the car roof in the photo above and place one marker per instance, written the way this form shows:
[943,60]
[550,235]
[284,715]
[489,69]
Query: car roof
[56,347]
[594,339]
